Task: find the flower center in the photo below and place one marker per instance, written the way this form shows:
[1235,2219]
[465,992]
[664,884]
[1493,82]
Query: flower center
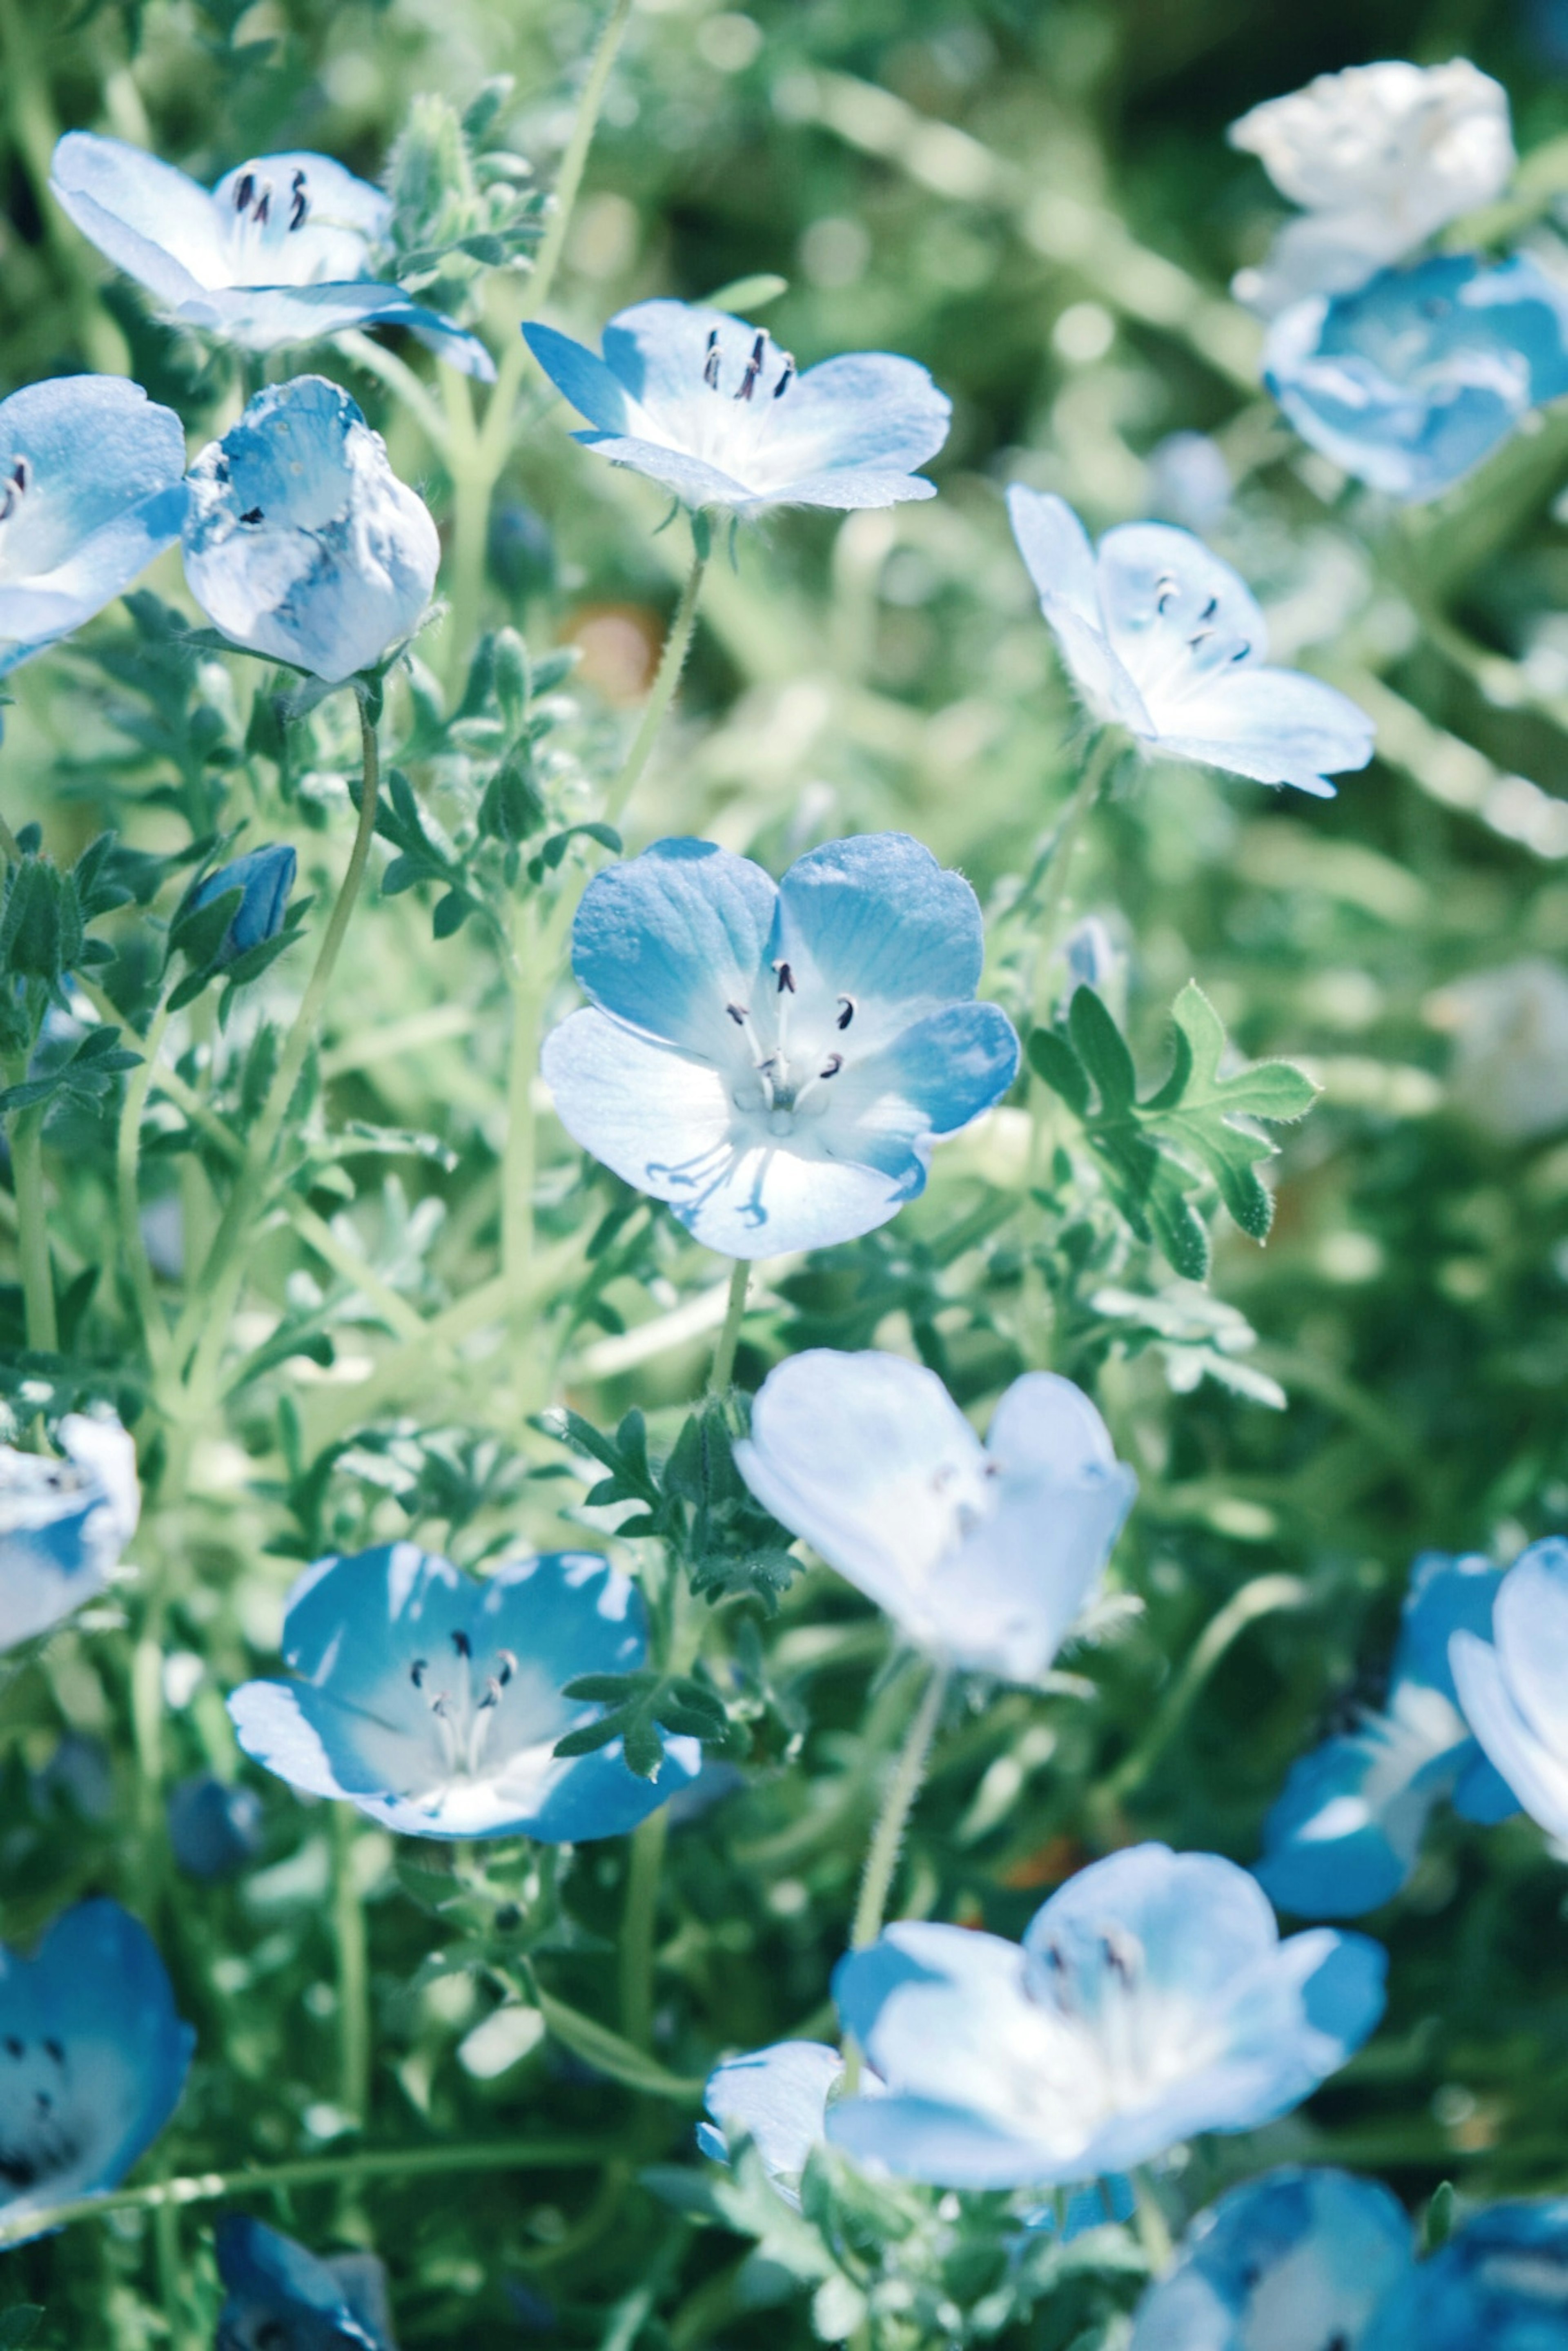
[464,1700]
[727,424]
[36,2142]
[789,1077]
[264,218]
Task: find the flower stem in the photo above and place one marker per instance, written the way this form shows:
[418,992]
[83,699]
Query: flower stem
[520,1154]
[887,1837]
[353,1971]
[639,1926]
[1057,900]
[32,1226]
[154,1329]
[1154,2229]
[723,1370]
[672,661]
[573,163]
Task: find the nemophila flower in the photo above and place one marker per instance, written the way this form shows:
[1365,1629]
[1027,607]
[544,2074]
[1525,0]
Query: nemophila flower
[713,409]
[1162,637]
[1343,1836]
[1514,1687]
[63,1523]
[1150,1999]
[1510,1029]
[777,2098]
[93,486]
[214,1829]
[300,541]
[264,877]
[1380,157]
[1295,2261]
[775,1060]
[434,1702]
[982,1555]
[1411,382]
[282,2298]
[1501,2281]
[92,2060]
[279,252]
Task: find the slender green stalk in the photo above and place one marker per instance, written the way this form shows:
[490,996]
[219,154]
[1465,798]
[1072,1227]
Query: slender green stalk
[1057,900]
[722,1370]
[9,842]
[166,2244]
[353,1970]
[887,1837]
[32,1231]
[672,661]
[520,1155]
[1154,2229]
[128,1150]
[639,1927]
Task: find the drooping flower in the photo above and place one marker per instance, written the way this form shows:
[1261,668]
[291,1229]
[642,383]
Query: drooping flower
[1501,2281]
[1379,157]
[1296,2261]
[300,541]
[1411,382]
[92,2060]
[264,878]
[1510,1029]
[283,2298]
[1162,637]
[982,1555]
[93,486]
[215,1828]
[776,1060]
[1150,1999]
[1344,1835]
[433,1702]
[778,2098]
[1514,1687]
[279,252]
[713,409]
[63,1524]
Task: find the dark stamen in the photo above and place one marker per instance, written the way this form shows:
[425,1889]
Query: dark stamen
[19,475]
[508,1665]
[417,1672]
[1165,590]
[834,1063]
[52,2049]
[252,515]
[463,1645]
[786,379]
[301,203]
[738,1013]
[1210,609]
[753,369]
[710,364]
[786,978]
[263,212]
[848,1014]
[245,191]
[492,1695]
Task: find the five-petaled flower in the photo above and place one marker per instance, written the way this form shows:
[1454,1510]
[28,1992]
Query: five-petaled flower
[713,409]
[92,2060]
[93,486]
[1162,637]
[434,1702]
[1514,1687]
[278,253]
[281,2297]
[300,541]
[1409,382]
[1380,157]
[775,1060]
[1150,1999]
[63,1523]
[982,1555]
[1344,1835]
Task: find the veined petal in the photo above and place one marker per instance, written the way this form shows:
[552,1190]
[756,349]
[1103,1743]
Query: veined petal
[1056,550]
[691,479]
[877,918]
[851,489]
[269,317]
[151,220]
[580,376]
[862,410]
[667,940]
[949,2146]
[1274,724]
[778,2098]
[1530,1625]
[660,1119]
[1537,1773]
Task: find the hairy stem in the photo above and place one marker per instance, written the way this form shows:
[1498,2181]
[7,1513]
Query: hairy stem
[353,1970]
[639,1926]
[887,1837]
[672,661]
[128,1151]
[520,1155]
[32,1221]
[723,1370]
[1057,900]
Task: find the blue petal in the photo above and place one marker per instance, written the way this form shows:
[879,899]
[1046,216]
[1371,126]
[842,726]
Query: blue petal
[691,479]
[1512,1693]
[921,2138]
[1483,1795]
[580,376]
[268,318]
[1060,562]
[265,878]
[1343,1835]
[870,413]
[1155,1897]
[281,2294]
[877,918]
[1501,2281]
[667,939]
[152,221]
[1445,1596]
[778,2097]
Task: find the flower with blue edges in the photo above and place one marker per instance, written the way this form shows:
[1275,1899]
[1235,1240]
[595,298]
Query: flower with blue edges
[215,1828]
[1151,1998]
[279,252]
[1344,1835]
[775,1060]
[93,486]
[1162,637]
[92,2060]
[264,878]
[982,1555]
[281,2297]
[1500,2282]
[777,2098]
[713,408]
[433,1702]
[63,1523]
[1409,382]
[301,542]
[1514,1687]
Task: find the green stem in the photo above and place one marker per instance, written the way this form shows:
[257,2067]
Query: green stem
[723,1370]
[154,1329]
[519,1157]
[1102,758]
[32,1223]
[672,661]
[887,1837]
[9,842]
[353,1970]
[1154,2229]
[639,1927]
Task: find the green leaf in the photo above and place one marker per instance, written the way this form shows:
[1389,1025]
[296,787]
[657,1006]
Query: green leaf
[18,2324]
[1103,1049]
[1052,1058]
[608,2053]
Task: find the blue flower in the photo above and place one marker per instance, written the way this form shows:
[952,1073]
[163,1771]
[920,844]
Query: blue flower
[1411,382]
[982,1555]
[92,488]
[1162,637]
[1514,1687]
[300,541]
[1296,2261]
[775,1061]
[215,1830]
[264,877]
[433,1702]
[92,2060]
[1151,1998]
[1343,1836]
[777,2098]
[1500,2282]
[278,253]
[63,1524]
[286,2299]
[713,409]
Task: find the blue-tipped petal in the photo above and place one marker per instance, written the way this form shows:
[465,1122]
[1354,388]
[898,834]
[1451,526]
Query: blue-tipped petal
[283,2296]
[63,1523]
[777,2098]
[669,939]
[1500,2282]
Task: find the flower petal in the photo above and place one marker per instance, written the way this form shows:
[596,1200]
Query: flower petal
[580,376]
[269,317]
[1529,1621]
[666,940]
[1055,548]
[151,220]
[877,918]
[778,2098]
[1275,726]
[1537,1773]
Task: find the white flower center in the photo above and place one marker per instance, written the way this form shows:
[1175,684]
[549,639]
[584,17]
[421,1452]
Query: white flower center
[790,1062]
[731,426]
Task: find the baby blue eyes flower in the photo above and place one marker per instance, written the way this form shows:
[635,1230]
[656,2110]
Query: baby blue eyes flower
[63,1524]
[982,1555]
[283,2298]
[1514,1687]
[279,252]
[1151,1998]
[300,541]
[713,409]
[434,1702]
[92,2060]
[1500,2282]
[215,1830]
[1410,383]
[778,2098]
[93,486]
[1162,637]
[1343,1836]
[264,877]
[776,1060]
